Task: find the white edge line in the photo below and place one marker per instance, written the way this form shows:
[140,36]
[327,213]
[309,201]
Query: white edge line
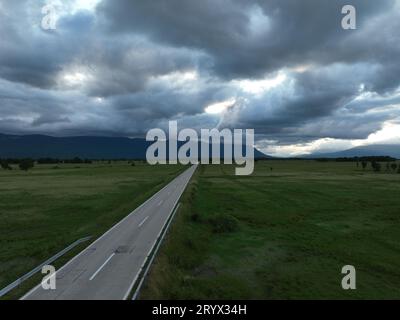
[103,235]
[155,242]
[155,253]
[102,266]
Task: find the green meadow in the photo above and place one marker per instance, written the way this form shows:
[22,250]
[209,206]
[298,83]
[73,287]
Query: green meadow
[283,233]
[47,208]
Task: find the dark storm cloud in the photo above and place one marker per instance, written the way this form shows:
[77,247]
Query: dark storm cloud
[290,33]
[126,66]
[132,65]
[286,32]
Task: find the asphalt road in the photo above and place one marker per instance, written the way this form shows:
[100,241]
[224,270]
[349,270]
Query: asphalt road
[109,267]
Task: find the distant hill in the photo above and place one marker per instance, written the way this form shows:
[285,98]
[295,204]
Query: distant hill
[89,147]
[391,150]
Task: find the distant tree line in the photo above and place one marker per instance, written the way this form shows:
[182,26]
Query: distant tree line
[75,160]
[374,162]
[358,159]
[24,164]
[28,163]
[46,160]
[377,166]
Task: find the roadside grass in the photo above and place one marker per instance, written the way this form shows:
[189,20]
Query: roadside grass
[294,228]
[44,210]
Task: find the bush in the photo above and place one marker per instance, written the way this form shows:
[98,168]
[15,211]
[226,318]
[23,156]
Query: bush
[195,217]
[48,161]
[4,164]
[26,164]
[364,164]
[376,166]
[223,223]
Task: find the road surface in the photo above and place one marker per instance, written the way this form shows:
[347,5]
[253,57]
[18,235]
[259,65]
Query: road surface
[109,267]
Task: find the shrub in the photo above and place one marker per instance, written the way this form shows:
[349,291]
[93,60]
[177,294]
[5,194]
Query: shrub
[195,217]
[376,166]
[4,164]
[26,164]
[364,164]
[222,223]
[48,161]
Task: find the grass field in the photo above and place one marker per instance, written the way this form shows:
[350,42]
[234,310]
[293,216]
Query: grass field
[45,209]
[283,233]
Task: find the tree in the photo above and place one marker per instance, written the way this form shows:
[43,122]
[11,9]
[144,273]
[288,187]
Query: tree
[394,166]
[364,164]
[376,166]
[26,164]
[4,164]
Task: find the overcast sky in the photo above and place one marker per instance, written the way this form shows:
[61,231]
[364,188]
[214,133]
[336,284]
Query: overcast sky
[283,67]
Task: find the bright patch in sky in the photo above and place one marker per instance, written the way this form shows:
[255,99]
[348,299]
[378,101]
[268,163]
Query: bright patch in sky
[220,106]
[389,134]
[259,23]
[75,78]
[320,145]
[71,7]
[85,5]
[301,68]
[178,77]
[261,86]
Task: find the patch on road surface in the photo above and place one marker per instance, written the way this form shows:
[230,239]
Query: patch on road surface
[122,249]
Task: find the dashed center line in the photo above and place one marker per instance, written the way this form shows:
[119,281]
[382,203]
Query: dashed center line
[159,204]
[143,221]
[102,266]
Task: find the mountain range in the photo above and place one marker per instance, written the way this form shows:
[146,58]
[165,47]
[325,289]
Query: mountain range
[88,147]
[94,147]
[391,150]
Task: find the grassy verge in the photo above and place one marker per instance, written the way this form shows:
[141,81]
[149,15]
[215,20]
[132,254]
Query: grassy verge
[283,233]
[44,210]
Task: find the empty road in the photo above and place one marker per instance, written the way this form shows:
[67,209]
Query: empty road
[109,267]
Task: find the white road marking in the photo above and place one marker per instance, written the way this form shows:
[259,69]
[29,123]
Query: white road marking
[159,204]
[102,266]
[144,220]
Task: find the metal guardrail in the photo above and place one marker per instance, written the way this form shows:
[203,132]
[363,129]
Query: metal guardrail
[153,254]
[26,276]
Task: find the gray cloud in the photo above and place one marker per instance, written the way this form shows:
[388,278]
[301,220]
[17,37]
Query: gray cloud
[132,65]
[287,32]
